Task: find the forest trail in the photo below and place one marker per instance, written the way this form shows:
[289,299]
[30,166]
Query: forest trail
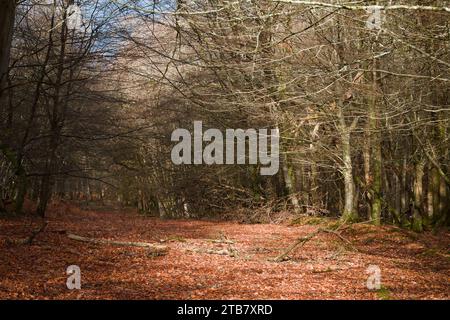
[215,260]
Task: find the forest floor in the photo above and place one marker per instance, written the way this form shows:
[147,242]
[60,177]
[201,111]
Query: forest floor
[216,260]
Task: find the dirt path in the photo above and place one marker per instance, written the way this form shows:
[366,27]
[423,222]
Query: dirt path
[412,268]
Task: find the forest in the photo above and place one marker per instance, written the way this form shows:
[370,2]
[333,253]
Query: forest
[118,126]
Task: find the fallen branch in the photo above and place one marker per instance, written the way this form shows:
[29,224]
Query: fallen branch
[223,252]
[337,234]
[226,241]
[155,248]
[180,239]
[298,242]
[303,240]
[28,240]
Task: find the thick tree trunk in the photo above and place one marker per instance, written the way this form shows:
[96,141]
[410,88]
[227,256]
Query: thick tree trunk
[349,213]
[349,186]
[367,176]
[397,199]
[21,191]
[44,195]
[47,178]
[7,17]
[376,183]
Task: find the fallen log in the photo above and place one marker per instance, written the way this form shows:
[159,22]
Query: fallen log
[154,248]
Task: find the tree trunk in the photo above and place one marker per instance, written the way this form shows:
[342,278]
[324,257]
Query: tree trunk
[417,222]
[443,203]
[434,181]
[7,18]
[289,179]
[21,191]
[375,142]
[376,183]
[349,213]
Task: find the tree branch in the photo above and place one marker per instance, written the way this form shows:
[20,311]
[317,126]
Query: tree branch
[366,7]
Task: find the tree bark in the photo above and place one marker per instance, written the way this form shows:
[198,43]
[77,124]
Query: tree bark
[349,213]
[417,221]
[375,142]
[7,18]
